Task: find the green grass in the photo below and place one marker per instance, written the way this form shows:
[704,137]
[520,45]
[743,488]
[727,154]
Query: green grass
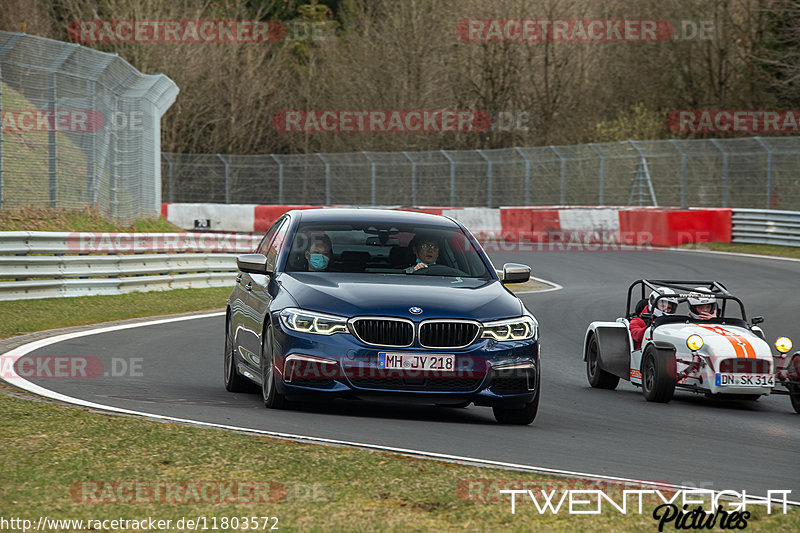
[760,249]
[46,219]
[49,451]
[25,316]
[26,156]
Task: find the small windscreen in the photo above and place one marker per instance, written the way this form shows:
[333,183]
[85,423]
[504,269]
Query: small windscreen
[382,249]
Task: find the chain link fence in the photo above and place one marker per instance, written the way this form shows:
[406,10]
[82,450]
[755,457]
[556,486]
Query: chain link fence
[79,128]
[743,172]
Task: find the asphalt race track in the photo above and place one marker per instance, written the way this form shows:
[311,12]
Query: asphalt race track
[692,441]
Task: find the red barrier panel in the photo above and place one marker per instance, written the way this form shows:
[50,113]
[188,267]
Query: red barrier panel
[429,210]
[543,223]
[165,210]
[671,227]
[265,215]
[700,225]
[515,222]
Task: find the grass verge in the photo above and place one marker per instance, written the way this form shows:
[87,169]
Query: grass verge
[27,316]
[743,248]
[47,219]
[68,463]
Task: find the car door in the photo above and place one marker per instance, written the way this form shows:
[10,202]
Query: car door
[264,288]
[245,323]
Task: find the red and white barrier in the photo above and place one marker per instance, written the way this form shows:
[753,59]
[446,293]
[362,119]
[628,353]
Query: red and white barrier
[654,226]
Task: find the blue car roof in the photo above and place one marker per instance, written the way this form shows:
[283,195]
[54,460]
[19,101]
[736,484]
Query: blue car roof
[380,216]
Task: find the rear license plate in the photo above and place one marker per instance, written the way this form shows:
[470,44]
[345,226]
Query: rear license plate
[746,380]
[414,361]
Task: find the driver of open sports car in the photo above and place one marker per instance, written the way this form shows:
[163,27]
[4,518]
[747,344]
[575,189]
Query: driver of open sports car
[667,305]
[702,306]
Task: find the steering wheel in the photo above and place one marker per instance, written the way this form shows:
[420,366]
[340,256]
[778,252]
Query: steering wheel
[439,270]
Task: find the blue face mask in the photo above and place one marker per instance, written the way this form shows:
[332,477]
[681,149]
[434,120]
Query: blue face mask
[318,261]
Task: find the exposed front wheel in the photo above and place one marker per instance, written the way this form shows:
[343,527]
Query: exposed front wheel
[234,382]
[598,378]
[269,392]
[794,396]
[658,383]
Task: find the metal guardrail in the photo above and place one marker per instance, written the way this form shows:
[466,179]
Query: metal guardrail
[762,226]
[52,264]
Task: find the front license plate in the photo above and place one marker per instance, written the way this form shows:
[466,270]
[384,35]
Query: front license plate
[414,361]
[746,380]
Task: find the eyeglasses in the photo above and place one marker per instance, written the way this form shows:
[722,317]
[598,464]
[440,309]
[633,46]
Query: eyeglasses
[429,246]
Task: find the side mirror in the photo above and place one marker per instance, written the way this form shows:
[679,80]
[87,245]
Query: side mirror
[252,263]
[757,320]
[516,273]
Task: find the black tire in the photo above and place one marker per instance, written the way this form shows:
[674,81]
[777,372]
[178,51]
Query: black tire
[520,416]
[598,378]
[658,383]
[794,396]
[234,382]
[269,392]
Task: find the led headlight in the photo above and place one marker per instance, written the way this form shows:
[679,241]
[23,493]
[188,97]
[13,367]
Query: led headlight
[783,344]
[694,342]
[512,329]
[311,322]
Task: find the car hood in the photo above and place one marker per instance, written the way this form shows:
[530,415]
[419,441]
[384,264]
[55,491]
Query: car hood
[347,294]
[719,341]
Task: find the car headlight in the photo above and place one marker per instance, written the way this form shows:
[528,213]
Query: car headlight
[694,342]
[512,329]
[783,344]
[311,322]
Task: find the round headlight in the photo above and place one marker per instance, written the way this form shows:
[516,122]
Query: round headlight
[783,344]
[694,342]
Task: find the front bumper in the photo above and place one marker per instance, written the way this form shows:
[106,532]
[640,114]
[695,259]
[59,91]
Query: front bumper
[487,372]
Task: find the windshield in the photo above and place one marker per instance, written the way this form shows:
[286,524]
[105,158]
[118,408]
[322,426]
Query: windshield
[385,249]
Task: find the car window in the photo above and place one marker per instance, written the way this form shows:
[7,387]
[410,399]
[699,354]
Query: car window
[262,246]
[386,249]
[276,244]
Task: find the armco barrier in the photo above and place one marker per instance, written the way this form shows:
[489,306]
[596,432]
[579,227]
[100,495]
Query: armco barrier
[762,226]
[52,264]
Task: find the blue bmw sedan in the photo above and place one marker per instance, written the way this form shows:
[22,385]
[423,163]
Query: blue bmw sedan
[372,303]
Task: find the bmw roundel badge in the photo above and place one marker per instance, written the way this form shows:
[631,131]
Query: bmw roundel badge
[415,310]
